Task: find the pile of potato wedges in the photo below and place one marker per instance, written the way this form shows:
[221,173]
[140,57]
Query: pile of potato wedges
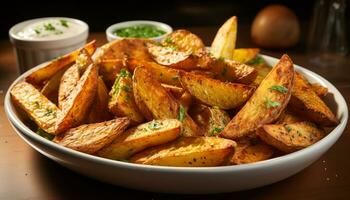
[175,102]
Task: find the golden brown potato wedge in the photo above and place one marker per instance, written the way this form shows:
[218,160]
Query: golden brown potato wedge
[224,95]
[99,109]
[50,89]
[79,101]
[211,120]
[172,57]
[36,105]
[188,152]
[320,90]
[89,138]
[43,74]
[161,73]
[224,42]
[109,69]
[305,102]
[146,135]
[125,48]
[122,102]
[245,55]
[159,102]
[250,152]
[184,40]
[266,104]
[290,137]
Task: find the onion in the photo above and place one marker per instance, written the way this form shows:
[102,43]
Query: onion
[275,26]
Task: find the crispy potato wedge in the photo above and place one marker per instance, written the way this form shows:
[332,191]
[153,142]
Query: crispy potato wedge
[227,95]
[177,92]
[99,109]
[224,42]
[109,69]
[267,102]
[184,40]
[50,89]
[172,57]
[163,74]
[305,102]
[211,120]
[79,101]
[250,152]
[320,90]
[122,102]
[245,55]
[125,48]
[90,138]
[188,152]
[290,137]
[146,135]
[159,102]
[43,74]
[36,105]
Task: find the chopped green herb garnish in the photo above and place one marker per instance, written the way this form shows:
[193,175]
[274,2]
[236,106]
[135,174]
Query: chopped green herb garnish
[139,31]
[49,112]
[153,125]
[49,27]
[182,113]
[37,31]
[168,40]
[124,73]
[44,134]
[64,23]
[271,104]
[288,128]
[126,88]
[279,88]
[216,130]
[256,61]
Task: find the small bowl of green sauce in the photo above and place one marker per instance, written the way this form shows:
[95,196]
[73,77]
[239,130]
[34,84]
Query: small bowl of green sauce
[138,29]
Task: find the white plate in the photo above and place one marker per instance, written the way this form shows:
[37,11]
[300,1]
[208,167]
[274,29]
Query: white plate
[185,179]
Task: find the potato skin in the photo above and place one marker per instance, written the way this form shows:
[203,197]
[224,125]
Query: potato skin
[159,102]
[36,105]
[305,102]
[227,95]
[143,136]
[39,76]
[258,110]
[188,152]
[290,137]
[79,101]
[89,138]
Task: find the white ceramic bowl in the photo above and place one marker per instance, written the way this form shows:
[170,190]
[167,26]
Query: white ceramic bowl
[31,52]
[186,179]
[160,25]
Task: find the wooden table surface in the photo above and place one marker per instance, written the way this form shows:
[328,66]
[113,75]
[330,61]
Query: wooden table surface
[26,174]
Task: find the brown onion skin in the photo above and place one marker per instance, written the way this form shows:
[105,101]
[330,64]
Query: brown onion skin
[275,26]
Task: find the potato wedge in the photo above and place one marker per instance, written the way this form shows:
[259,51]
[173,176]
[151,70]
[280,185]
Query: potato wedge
[224,42]
[224,95]
[211,120]
[245,55]
[146,135]
[43,74]
[159,102]
[89,138]
[36,105]
[163,74]
[305,102]
[79,101]
[99,109]
[50,89]
[266,104]
[251,152]
[172,57]
[290,137]
[109,69]
[188,152]
[184,40]
[122,102]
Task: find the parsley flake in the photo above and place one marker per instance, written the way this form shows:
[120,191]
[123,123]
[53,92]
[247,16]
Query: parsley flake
[272,104]
[279,88]
[182,113]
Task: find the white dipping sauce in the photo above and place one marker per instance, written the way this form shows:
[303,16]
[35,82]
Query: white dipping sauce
[50,29]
